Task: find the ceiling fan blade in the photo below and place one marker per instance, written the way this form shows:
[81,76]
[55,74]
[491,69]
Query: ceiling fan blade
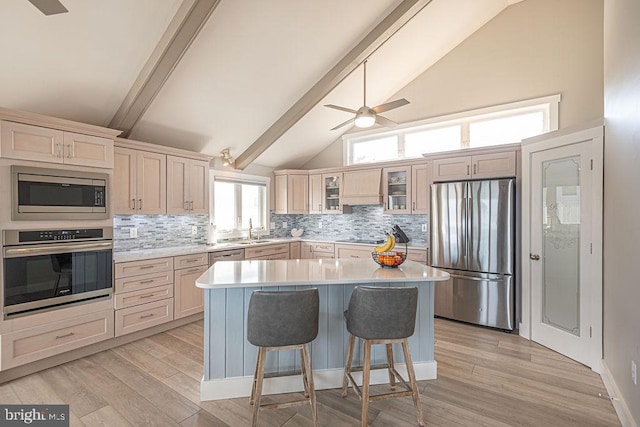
[390,105]
[385,122]
[337,107]
[344,124]
[49,7]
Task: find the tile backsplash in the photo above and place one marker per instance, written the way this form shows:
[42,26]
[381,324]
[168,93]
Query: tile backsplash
[365,222]
[157,231]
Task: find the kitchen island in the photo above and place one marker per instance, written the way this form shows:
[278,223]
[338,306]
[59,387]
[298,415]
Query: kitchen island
[229,359]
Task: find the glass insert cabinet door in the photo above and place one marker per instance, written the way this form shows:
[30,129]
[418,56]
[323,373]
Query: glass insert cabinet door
[397,190]
[332,191]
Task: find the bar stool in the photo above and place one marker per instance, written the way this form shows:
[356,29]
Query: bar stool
[381,316]
[284,320]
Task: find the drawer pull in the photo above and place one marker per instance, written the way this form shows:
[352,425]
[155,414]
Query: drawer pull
[193,270]
[144,282]
[145,296]
[70,334]
[146,267]
[146,316]
[192,260]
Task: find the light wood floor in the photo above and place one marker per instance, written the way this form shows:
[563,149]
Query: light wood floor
[485,377]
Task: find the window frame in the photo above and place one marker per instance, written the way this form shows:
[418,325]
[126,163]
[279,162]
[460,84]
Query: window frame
[548,105]
[239,178]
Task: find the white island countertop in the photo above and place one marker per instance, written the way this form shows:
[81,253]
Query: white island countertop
[253,273]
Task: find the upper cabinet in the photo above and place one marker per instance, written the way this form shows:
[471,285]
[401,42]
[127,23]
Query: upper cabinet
[480,166]
[421,179]
[29,142]
[291,192]
[187,186]
[140,180]
[396,183]
[331,193]
[315,193]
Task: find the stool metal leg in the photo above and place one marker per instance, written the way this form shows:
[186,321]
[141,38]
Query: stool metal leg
[303,368]
[391,366]
[262,355]
[412,380]
[307,377]
[347,365]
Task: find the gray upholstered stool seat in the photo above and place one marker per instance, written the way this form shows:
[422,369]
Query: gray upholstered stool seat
[283,321]
[379,315]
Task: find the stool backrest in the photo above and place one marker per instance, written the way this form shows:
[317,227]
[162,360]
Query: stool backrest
[382,313]
[281,318]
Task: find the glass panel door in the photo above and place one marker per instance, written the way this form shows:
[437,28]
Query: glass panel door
[561,244]
[331,191]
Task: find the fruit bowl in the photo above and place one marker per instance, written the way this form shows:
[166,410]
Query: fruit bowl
[389,259]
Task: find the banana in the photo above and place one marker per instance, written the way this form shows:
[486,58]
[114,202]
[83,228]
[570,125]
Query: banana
[388,245]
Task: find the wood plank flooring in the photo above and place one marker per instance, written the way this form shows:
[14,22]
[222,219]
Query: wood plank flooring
[485,378]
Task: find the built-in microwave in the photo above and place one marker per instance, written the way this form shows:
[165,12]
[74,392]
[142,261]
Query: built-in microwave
[53,194]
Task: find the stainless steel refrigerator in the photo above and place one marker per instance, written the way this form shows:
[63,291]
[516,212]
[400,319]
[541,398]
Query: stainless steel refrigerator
[473,238]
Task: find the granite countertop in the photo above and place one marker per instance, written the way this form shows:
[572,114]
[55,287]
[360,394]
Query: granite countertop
[137,255]
[292,272]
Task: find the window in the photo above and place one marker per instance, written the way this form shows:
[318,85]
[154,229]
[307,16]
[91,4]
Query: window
[497,125]
[238,198]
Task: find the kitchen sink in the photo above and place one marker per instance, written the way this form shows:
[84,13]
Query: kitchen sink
[251,242]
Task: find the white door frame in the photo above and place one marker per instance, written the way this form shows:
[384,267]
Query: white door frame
[595,135]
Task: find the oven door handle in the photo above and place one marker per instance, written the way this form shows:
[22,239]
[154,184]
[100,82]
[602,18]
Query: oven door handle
[56,249]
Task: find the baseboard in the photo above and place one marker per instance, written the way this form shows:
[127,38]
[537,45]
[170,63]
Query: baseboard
[626,419]
[228,388]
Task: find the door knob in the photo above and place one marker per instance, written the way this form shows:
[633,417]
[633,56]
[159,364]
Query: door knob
[534,257]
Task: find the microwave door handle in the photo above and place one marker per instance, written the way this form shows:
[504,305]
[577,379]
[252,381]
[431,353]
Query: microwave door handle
[50,249]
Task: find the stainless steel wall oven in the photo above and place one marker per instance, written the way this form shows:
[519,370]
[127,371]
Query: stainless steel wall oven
[49,268]
[53,194]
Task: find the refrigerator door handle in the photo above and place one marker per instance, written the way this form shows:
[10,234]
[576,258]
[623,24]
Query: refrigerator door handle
[478,279]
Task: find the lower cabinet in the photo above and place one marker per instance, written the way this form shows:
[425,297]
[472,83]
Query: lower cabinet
[295,250]
[188,298]
[277,251]
[315,250]
[143,316]
[31,344]
[353,251]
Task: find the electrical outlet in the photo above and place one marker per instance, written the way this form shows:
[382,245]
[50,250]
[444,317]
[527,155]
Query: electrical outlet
[284,224]
[194,230]
[634,372]
[424,228]
[272,225]
[133,233]
[319,224]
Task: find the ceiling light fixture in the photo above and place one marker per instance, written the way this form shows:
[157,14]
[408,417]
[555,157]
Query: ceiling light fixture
[226,158]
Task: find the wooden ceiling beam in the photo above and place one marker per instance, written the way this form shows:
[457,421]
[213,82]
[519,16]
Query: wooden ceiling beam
[369,44]
[180,33]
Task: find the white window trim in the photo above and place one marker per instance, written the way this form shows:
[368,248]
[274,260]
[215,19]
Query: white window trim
[240,178]
[551,109]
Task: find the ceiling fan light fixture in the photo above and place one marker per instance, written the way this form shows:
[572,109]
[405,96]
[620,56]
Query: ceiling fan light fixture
[226,158]
[365,121]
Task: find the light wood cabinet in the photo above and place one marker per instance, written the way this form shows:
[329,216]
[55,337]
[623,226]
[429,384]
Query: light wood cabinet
[421,179]
[143,316]
[417,255]
[316,250]
[331,193]
[481,166]
[292,193]
[187,186]
[29,345]
[315,193]
[295,250]
[140,180]
[188,298]
[29,142]
[396,188]
[353,251]
[276,251]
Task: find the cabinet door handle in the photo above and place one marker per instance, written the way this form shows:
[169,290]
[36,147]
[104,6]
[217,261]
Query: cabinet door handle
[139,204]
[133,204]
[145,296]
[475,168]
[146,316]
[186,205]
[191,205]
[58,149]
[70,334]
[467,169]
[413,205]
[69,151]
[144,267]
[193,270]
[144,282]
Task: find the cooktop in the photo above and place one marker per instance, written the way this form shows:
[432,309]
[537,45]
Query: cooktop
[363,241]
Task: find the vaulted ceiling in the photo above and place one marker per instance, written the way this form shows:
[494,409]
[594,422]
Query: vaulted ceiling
[250,75]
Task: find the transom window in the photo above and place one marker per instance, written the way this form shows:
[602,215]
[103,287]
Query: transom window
[236,199]
[501,124]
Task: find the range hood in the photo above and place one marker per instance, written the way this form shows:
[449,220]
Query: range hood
[362,187]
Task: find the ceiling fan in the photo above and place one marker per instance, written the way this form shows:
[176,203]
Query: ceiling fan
[49,7]
[366,116]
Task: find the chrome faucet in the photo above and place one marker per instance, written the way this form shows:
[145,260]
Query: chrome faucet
[250,229]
